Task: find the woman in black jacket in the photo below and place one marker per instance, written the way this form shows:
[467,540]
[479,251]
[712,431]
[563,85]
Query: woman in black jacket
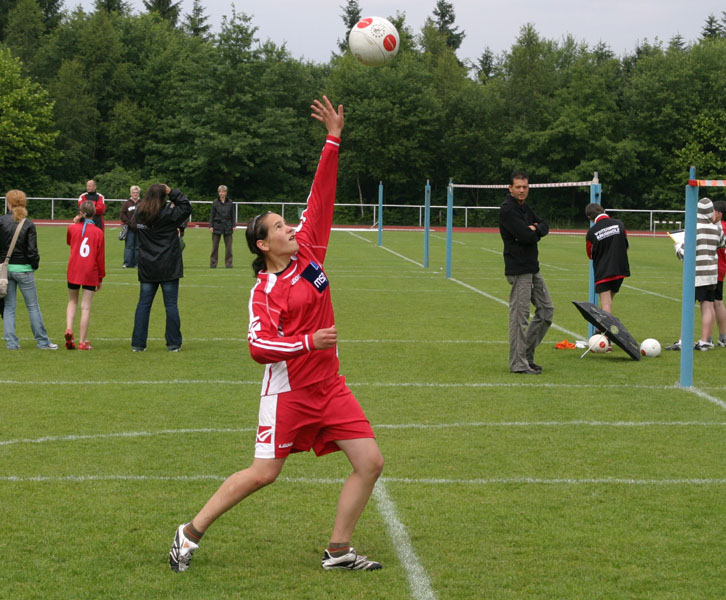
[160,260]
[23,261]
[222,223]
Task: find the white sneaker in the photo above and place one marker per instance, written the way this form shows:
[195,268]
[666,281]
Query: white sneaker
[181,551]
[722,343]
[50,346]
[352,561]
[703,346]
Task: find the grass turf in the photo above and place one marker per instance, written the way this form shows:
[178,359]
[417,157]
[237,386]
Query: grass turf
[597,479]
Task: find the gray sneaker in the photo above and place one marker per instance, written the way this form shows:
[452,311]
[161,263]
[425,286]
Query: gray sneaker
[50,346]
[352,561]
[181,551]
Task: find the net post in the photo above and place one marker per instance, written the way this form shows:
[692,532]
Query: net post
[449,224]
[380,213]
[427,222]
[689,279]
[596,198]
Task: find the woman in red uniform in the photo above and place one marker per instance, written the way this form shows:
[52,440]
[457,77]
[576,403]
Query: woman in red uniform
[305,403]
[86,269]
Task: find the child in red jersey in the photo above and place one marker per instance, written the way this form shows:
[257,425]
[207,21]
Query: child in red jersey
[86,269]
[305,402]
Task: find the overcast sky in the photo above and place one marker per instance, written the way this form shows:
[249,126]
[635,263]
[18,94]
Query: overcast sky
[311,28]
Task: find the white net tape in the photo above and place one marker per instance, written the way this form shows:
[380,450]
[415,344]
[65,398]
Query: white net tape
[531,185]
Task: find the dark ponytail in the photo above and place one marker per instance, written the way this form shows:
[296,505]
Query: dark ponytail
[257,230]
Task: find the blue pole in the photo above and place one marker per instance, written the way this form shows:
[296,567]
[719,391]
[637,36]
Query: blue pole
[689,282]
[427,222]
[380,213]
[449,224]
[595,197]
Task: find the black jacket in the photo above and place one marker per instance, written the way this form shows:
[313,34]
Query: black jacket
[26,248]
[607,245]
[221,219]
[160,253]
[520,242]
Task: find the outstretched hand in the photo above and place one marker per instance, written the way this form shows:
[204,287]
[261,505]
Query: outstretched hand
[325,113]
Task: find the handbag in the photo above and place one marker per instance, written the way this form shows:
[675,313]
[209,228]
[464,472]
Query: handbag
[4,266]
[124,231]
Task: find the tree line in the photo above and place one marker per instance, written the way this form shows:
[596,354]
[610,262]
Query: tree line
[139,98]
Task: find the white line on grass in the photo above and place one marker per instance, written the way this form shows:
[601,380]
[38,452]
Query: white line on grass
[418,579]
[424,480]
[630,287]
[380,426]
[389,250]
[705,396]
[505,303]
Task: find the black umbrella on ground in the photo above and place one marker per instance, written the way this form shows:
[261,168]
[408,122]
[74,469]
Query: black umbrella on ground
[610,326]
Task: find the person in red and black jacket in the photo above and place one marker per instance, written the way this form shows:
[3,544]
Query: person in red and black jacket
[607,246]
[99,203]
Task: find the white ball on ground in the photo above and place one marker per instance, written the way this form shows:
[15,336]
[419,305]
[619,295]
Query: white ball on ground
[650,347]
[598,343]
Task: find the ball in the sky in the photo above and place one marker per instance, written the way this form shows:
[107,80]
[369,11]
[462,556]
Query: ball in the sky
[374,41]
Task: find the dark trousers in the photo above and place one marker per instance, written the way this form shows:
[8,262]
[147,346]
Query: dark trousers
[227,250]
[170,291]
[131,249]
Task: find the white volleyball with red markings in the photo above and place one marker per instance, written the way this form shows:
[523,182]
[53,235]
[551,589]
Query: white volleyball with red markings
[374,41]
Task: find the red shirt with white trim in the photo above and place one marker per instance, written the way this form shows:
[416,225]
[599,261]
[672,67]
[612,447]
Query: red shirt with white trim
[87,262]
[287,308]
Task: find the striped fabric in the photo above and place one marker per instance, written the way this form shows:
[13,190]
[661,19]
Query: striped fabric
[709,237]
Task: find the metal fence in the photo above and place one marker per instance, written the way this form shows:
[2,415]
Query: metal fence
[63,209]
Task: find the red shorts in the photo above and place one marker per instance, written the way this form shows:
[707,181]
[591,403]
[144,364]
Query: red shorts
[313,417]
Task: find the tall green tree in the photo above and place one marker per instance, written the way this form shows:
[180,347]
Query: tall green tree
[351,15]
[445,17]
[27,130]
[195,22]
[25,29]
[168,9]
[118,6]
[712,28]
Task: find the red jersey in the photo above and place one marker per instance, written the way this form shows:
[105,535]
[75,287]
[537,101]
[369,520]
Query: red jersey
[87,262]
[287,308]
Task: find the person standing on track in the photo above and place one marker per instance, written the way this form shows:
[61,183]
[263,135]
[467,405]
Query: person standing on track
[521,230]
[305,403]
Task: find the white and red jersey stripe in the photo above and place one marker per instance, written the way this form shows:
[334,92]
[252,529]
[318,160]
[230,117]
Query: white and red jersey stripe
[287,308]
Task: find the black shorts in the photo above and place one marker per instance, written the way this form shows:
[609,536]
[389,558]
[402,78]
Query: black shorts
[706,293]
[76,286]
[613,285]
[718,296]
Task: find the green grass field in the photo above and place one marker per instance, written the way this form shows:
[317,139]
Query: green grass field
[598,479]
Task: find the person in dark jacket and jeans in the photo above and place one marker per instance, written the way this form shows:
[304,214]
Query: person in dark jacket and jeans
[160,260]
[222,223]
[23,261]
[131,243]
[521,230]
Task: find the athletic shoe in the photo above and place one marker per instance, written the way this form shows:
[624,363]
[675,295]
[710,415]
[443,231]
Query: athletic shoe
[528,372]
[70,343]
[722,343]
[181,551]
[174,348]
[534,366]
[702,346]
[85,345]
[674,346]
[352,561]
[137,349]
[50,346]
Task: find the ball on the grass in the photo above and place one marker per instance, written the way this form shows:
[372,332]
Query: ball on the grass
[598,343]
[650,347]
[374,41]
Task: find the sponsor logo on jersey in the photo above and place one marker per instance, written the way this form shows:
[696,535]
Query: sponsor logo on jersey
[314,274]
[288,445]
[264,434]
[295,280]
